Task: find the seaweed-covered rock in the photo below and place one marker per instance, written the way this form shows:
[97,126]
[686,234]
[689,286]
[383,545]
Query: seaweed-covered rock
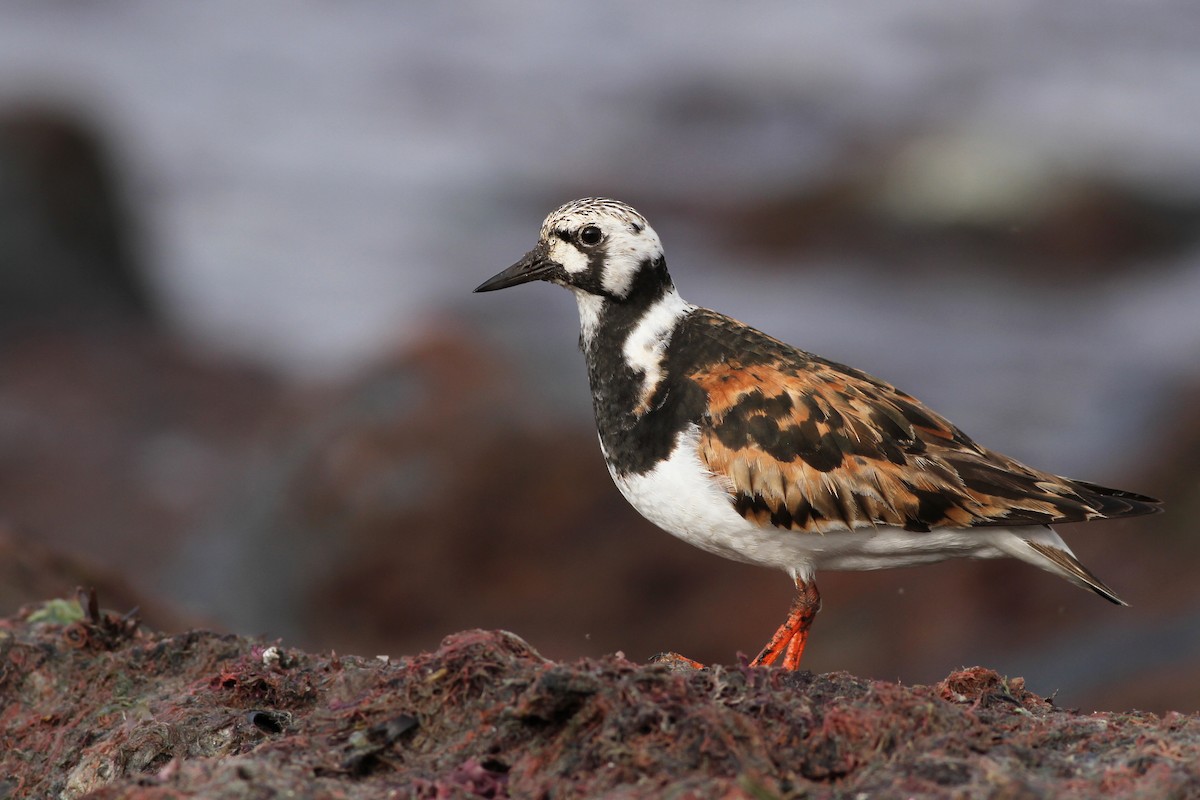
[93,706]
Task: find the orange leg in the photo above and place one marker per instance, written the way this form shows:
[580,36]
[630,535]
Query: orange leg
[792,635]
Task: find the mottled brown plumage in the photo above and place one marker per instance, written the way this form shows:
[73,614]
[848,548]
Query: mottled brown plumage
[810,445]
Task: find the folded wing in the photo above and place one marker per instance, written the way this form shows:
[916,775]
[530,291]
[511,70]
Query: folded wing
[810,445]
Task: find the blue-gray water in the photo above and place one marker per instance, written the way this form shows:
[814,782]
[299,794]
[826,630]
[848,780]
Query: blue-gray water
[317,183]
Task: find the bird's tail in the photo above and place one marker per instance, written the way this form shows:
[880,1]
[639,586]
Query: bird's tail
[1047,550]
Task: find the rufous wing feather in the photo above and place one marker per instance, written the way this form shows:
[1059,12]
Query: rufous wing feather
[807,444]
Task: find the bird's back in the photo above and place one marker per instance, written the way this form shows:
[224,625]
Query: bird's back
[808,444]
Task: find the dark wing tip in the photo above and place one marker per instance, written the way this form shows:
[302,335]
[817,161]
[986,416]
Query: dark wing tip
[1115,503]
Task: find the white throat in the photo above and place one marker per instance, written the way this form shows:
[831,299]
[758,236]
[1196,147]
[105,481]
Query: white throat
[591,309]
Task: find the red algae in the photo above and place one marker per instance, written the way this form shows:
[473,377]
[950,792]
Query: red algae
[99,707]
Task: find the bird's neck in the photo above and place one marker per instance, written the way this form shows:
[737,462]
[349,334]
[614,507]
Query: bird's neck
[625,344]
[606,320]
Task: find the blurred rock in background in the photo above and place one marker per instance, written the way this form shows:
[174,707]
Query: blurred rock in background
[67,242]
[988,207]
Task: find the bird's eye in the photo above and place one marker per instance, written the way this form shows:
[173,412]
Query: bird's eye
[591,235]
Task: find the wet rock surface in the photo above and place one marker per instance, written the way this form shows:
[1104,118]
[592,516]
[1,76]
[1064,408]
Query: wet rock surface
[96,706]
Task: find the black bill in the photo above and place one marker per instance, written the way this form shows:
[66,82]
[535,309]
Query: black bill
[533,266]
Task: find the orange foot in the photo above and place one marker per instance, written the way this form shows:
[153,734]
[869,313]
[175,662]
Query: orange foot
[792,635]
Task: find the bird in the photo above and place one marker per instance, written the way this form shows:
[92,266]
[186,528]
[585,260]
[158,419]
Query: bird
[761,452]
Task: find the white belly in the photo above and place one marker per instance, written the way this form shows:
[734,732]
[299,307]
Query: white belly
[683,498]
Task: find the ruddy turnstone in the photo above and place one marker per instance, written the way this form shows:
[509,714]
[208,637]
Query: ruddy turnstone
[760,452]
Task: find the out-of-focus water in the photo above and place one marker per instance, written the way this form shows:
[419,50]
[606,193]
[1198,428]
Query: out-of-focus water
[318,182]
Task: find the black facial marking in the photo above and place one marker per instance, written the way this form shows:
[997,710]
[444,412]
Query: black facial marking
[591,280]
[594,273]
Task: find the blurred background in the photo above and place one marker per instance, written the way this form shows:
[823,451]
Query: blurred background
[244,383]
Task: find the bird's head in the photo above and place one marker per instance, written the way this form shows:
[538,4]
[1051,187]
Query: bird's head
[592,246]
